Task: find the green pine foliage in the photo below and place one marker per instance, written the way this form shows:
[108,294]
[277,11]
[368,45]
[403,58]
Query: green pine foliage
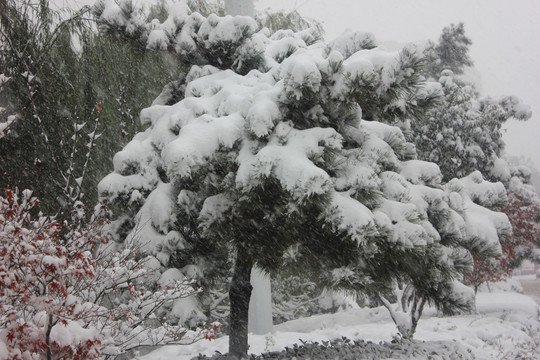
[291,21]
[464,132]
[450,53]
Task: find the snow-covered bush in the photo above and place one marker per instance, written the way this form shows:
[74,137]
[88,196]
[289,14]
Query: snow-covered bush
[62,296]
[38,308]
[357,349]
[515,248]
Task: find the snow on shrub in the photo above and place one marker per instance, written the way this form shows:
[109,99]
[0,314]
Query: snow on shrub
[64,294]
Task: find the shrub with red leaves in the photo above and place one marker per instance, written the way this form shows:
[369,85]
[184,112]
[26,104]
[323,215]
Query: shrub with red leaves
[38,270]
[515,249]
[66,294]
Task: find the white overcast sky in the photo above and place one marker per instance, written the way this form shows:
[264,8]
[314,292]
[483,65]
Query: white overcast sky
[505,35]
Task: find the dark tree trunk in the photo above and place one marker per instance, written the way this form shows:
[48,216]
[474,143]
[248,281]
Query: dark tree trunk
[239,294]
[48,336]
[416,312]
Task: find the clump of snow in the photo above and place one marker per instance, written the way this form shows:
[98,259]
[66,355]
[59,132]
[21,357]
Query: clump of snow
[263,113]
[348,215]
[198,141]
[158,39]
[484,228]
[350,42]
[187,311]
[280,49]
[500,170]
[482,192]
[72,335]
[421,172]
[300,73]
[170,277]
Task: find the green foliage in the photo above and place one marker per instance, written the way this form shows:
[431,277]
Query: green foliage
[38,58]
[464,132]
[345,348]
[281,20]
[450,53]
[77,95]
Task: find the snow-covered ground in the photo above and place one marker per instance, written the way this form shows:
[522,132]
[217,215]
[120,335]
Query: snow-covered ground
[506,325]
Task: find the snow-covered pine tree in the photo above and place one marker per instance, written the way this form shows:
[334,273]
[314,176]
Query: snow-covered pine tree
[274,158]
[450,53]
[464,132]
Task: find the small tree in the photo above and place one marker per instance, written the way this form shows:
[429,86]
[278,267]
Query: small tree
[37,274]
[450,53]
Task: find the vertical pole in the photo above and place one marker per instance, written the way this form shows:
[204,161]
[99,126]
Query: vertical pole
[260,305]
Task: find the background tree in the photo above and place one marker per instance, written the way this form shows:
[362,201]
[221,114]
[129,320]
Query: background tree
[30,36]
[451,52]
[463,133]
[76,95]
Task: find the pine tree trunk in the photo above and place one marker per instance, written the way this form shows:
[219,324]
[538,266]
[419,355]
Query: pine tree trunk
[239,294]
[416,313]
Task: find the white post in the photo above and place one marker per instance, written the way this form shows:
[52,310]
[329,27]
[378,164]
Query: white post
[239,7]
[260,304]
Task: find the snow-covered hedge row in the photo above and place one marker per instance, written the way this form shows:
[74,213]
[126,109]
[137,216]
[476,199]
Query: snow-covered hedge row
[358,349]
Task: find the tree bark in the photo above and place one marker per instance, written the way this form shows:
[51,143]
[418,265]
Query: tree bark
[239,295]
[416,312]
[48,336]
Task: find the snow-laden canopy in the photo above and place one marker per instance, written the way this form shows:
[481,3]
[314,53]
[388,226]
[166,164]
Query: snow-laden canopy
[278,157]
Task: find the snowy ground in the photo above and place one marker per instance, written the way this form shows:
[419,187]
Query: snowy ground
[505,326]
